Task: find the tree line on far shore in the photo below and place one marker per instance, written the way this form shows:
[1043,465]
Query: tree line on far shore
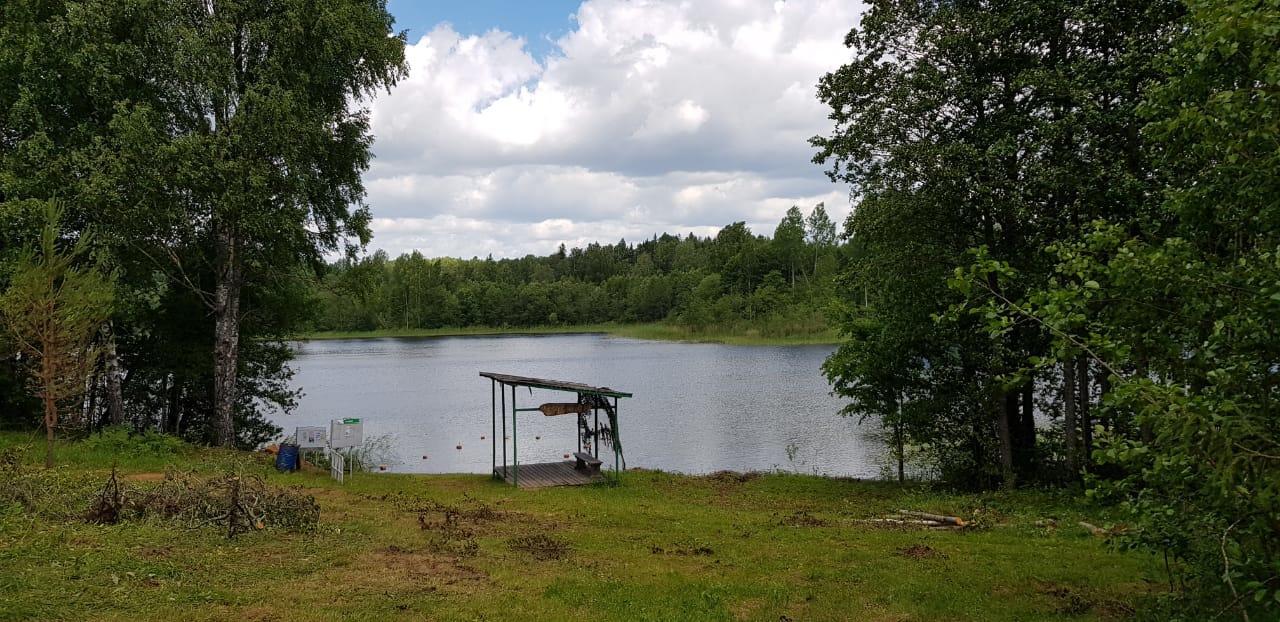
[733,281]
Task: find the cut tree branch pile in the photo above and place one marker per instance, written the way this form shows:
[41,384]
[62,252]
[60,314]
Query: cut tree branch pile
[236,503]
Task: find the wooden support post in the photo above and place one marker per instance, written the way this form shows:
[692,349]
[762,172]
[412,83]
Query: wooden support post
[504,431]
[515,442]
[493,420]
[617,442]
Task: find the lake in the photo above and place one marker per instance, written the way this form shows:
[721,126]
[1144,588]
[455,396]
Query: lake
[698,408]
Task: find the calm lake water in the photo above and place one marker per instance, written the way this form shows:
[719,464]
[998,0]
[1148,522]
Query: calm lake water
[698,408]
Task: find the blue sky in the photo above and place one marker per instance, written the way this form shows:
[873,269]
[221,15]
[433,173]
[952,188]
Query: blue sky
[538,21]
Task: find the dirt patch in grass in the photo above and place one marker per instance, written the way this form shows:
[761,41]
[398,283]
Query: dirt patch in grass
[400,564]
[732,477]
[1112,609]
[155,552]
[746,609]
[1074,601]
[260,613]
[921,551]
[802,518]
[1066,600]
[541,546]
[693,550]
[468,509]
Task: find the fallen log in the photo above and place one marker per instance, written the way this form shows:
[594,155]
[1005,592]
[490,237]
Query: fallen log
[904,521]
[949,520]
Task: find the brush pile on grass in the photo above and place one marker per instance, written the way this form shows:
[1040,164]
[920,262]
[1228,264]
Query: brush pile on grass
[237,503]
[234,502]
[541,546]
[53,494]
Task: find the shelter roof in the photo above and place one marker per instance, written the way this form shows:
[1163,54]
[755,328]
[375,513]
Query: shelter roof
[554,385]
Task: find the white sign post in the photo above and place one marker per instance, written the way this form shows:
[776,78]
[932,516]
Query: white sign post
[343,434]
[311,437]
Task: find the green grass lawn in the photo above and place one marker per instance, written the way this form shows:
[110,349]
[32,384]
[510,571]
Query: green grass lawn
[654,331]
[658,547]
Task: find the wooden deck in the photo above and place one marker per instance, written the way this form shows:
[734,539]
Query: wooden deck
[542,475]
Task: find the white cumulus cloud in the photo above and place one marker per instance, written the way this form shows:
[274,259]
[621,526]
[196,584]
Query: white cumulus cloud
[648,116]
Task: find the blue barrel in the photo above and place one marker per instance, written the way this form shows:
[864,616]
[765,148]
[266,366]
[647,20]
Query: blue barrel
[287,458]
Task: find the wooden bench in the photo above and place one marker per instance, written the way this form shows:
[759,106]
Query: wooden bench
[584,461]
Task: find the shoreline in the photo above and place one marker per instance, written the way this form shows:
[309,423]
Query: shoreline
[651,332]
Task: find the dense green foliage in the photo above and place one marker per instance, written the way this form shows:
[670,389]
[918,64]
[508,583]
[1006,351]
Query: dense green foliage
[963,125]
[54,308]
[1081,208]
[216,149]
[778,286]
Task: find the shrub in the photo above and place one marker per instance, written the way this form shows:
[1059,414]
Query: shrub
[124,442]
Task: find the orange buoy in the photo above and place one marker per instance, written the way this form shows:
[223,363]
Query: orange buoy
[566,456]
[482,438]
[537,438]
[459,446]
[424,457]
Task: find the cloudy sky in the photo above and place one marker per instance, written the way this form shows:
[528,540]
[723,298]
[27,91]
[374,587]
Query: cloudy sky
[524,125]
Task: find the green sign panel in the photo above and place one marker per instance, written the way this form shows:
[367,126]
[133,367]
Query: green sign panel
[350,421]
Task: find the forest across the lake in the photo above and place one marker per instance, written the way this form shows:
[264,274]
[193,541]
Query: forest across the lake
[735,286]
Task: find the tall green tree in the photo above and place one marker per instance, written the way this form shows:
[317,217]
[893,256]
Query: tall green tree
[97,103]
[64,67]
[962,125]
[1182,312]
[257,144]
[788,240]
[820,232]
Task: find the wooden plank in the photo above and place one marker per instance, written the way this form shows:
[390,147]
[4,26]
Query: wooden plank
[547,474]
[552,409]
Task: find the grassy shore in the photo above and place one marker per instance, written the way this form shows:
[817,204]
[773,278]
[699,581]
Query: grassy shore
[652,331]
[658,547]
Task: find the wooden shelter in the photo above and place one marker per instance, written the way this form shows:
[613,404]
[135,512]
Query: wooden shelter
[584,468]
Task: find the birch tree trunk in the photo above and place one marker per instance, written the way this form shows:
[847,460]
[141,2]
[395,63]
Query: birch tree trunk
[226,334]
[111,367]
